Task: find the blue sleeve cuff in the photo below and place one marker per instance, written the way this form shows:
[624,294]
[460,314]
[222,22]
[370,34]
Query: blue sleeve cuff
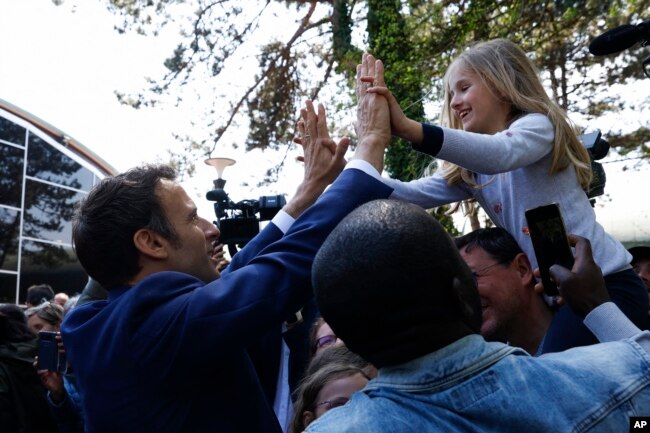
[433,137]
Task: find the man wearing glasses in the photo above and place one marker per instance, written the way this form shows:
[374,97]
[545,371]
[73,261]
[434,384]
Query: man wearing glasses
[513,312]
[420,322]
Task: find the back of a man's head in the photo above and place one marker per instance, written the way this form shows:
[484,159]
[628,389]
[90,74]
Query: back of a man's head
[106,220]
[392,285]
[39,293]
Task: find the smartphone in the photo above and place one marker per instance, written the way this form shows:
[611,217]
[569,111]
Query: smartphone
[550,242]
[48,351]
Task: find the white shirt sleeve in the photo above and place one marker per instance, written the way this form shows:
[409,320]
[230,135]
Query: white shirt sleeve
[284,221]
[364,166]
[608,323]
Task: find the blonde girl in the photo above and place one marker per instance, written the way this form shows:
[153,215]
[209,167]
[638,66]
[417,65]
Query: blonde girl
[505,143]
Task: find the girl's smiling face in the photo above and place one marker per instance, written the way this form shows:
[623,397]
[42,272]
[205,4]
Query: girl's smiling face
[472,102]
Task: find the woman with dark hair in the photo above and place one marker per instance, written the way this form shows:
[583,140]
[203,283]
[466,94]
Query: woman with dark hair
[23,406]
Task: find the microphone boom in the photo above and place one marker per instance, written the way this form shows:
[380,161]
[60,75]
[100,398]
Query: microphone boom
[619,39]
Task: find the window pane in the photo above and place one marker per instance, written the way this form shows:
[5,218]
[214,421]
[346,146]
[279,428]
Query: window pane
[51,264]
[45,162]
[11,174]
[7,289]
[9,228]
[11,132]
[48,211]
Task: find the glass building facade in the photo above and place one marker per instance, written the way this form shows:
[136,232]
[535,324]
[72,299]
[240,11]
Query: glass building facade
[42,177]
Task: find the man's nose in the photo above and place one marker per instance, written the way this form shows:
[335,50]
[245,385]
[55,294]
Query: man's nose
[211,231]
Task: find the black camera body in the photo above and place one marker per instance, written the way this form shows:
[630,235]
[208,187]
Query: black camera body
[598,149]
[239,222]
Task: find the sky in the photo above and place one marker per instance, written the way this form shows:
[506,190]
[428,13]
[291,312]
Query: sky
[64,63]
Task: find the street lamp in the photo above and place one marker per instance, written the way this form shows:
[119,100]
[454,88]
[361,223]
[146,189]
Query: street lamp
[220,164]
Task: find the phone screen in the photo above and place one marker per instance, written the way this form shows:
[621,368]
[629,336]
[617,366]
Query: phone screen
[48,351]
[550,242]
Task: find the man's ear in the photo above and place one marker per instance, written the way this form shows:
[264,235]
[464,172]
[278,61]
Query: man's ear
[524,268]
[151,244]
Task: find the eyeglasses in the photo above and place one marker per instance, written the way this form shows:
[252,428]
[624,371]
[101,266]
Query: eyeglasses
[483,271]
[326,340]
[335,402]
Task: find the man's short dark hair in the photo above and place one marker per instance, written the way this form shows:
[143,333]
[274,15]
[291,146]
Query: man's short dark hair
[495,241]
[106,220]
[392,285]
[39,293]
[640,252]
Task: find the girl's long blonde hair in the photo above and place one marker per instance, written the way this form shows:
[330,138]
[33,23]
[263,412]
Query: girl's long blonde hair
[507,72]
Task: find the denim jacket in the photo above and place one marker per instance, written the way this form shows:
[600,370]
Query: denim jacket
[476,386]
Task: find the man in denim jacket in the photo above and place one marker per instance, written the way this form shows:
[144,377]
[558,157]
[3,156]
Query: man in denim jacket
[392,285]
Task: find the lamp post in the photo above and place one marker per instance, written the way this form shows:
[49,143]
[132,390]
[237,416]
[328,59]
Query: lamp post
[220,164]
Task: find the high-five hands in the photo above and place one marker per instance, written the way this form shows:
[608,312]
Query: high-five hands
[373,117]
[371,81]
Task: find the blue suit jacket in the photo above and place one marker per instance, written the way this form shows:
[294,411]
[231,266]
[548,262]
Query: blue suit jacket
[169,354]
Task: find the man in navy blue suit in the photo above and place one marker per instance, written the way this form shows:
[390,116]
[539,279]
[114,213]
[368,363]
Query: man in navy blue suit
[167,351]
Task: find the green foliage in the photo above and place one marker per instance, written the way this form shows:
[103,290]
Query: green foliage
[440,213]
[388,38]
[345,53]
[629,143]
[269,122]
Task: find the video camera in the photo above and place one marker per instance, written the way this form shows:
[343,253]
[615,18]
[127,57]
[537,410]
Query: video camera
[238,222]
[598,148]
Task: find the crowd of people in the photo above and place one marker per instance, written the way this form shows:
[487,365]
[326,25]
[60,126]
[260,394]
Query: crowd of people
[353,310]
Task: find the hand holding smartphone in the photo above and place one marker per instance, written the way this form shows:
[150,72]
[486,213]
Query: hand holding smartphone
[550,242]
[49,357]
